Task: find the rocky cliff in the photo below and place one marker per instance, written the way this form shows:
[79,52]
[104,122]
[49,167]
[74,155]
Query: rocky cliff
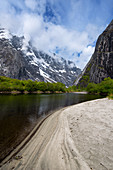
[100,65]
[20,60]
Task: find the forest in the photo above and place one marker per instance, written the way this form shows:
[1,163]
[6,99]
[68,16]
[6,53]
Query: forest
[10,85]
[104,88]
[22,86]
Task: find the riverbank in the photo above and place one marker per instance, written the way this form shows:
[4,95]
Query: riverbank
[76,137]
[34,92]
[81,92]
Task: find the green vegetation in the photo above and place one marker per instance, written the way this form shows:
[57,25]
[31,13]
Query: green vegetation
[85,79]
[72,88]
[25,86]
[110,96]
[8,85]
[75,89]
[104,88]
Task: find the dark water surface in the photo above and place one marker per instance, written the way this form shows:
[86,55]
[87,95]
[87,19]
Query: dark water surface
[20,113]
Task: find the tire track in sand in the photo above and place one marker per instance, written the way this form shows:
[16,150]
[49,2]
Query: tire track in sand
[51,148]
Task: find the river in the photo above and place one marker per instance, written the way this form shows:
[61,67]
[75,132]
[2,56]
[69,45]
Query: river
[20,113]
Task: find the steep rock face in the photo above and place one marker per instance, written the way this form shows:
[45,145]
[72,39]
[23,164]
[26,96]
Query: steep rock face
[100,65]
[19,59]
[13,64]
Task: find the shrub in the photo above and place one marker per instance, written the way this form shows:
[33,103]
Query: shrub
[104,88]
[8,84]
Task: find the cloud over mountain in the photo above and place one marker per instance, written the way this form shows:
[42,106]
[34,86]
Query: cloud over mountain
[68,28]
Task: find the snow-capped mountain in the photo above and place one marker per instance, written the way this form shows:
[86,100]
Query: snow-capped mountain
[19,59]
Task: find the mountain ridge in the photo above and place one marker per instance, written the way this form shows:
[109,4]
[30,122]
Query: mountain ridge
[100,65]
[19,59]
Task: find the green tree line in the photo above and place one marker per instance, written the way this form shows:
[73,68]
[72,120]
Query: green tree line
[9,85]
[104,88]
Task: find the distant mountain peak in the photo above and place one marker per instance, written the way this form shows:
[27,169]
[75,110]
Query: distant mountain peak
[5,34]
[19,59]
[109,27]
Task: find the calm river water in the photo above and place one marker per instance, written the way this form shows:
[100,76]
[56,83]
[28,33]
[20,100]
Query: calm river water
[20,113]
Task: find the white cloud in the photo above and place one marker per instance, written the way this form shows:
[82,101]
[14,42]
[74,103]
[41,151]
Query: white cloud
[84,56]
[46,35]
[67,41]
[32,4]
[32,25]
[35,5]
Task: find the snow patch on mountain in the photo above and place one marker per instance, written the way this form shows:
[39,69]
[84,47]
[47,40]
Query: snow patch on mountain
[38,65]
[4,34]
[62,71]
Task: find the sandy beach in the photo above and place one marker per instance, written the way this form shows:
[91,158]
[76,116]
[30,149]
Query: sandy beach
[79,137]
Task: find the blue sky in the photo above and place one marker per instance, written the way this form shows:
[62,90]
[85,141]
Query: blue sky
[68,27]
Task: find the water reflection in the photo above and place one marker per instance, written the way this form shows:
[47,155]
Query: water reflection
[19,114]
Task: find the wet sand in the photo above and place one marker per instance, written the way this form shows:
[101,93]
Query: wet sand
[78,137]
